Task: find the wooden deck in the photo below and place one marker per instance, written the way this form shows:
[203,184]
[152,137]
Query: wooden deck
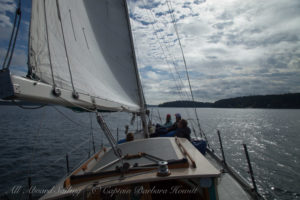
[165,148]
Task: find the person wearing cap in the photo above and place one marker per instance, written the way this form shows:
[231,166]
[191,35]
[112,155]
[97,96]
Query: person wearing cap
[163,129]
[175,125]
[168,122]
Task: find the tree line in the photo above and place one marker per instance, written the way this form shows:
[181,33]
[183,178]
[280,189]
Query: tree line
[290,100]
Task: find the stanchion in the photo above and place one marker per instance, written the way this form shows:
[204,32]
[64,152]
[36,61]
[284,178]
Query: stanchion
[67,162]
[250,168]
[221,147]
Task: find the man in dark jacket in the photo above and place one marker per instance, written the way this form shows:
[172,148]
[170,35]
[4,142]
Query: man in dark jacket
[175,125]
[183,130]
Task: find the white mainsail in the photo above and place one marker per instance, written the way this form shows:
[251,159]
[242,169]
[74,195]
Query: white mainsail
[85,47]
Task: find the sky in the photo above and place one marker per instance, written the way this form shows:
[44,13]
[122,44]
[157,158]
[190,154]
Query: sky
[232,47]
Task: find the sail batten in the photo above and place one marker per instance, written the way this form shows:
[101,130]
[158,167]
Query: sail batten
[85,46]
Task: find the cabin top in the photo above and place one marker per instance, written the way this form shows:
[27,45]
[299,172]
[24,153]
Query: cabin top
[139,165]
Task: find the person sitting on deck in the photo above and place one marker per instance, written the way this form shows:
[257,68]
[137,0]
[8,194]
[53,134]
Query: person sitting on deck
[171,130]
[175,125]
[129,137]
[183,131]
[167,124]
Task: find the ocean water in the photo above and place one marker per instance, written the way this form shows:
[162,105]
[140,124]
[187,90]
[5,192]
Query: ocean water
[34,143]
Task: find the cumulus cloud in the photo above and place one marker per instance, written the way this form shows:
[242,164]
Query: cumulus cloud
[7,14]
[232,48]
[7,7]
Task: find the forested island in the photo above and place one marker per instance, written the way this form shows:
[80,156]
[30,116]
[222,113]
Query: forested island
[291,100]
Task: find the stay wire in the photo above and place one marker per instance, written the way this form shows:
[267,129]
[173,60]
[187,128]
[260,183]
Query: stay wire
[28,108]
[185,65]
[68,118]
[35,142]
[92,133]
[178,87]
[63,157]
[13,38]
[10,41]
[164,54]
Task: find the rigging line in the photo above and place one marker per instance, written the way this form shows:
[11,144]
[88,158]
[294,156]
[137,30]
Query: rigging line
[181,93]
[48,45]
[184,61]
[179,89]
[34,145]
[89,149]
[13,36]
[166,60]
[108,135]
[182,53]
[15,39]
[29,66]
[28,108]
[92,133]
[78,146]
[177,85]
[164,54]
[75,94]
[170,55]
[68,118]
[173,59]
[101,141]
[63,158]
[159,116]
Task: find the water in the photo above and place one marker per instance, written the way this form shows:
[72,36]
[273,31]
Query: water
[35,142]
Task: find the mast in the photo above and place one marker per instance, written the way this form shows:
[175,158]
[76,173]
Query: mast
[140,89]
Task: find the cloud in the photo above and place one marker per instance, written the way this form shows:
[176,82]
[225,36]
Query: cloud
[7,14]
[232,48]
[7,7]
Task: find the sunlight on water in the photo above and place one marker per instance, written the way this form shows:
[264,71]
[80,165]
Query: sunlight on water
[36,142]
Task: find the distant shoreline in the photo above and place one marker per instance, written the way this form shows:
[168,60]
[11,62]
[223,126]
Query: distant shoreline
[282,101]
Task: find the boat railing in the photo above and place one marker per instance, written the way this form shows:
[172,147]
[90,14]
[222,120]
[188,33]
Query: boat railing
[226,168]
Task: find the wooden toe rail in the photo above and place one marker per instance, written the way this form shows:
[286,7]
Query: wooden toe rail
[185,152]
